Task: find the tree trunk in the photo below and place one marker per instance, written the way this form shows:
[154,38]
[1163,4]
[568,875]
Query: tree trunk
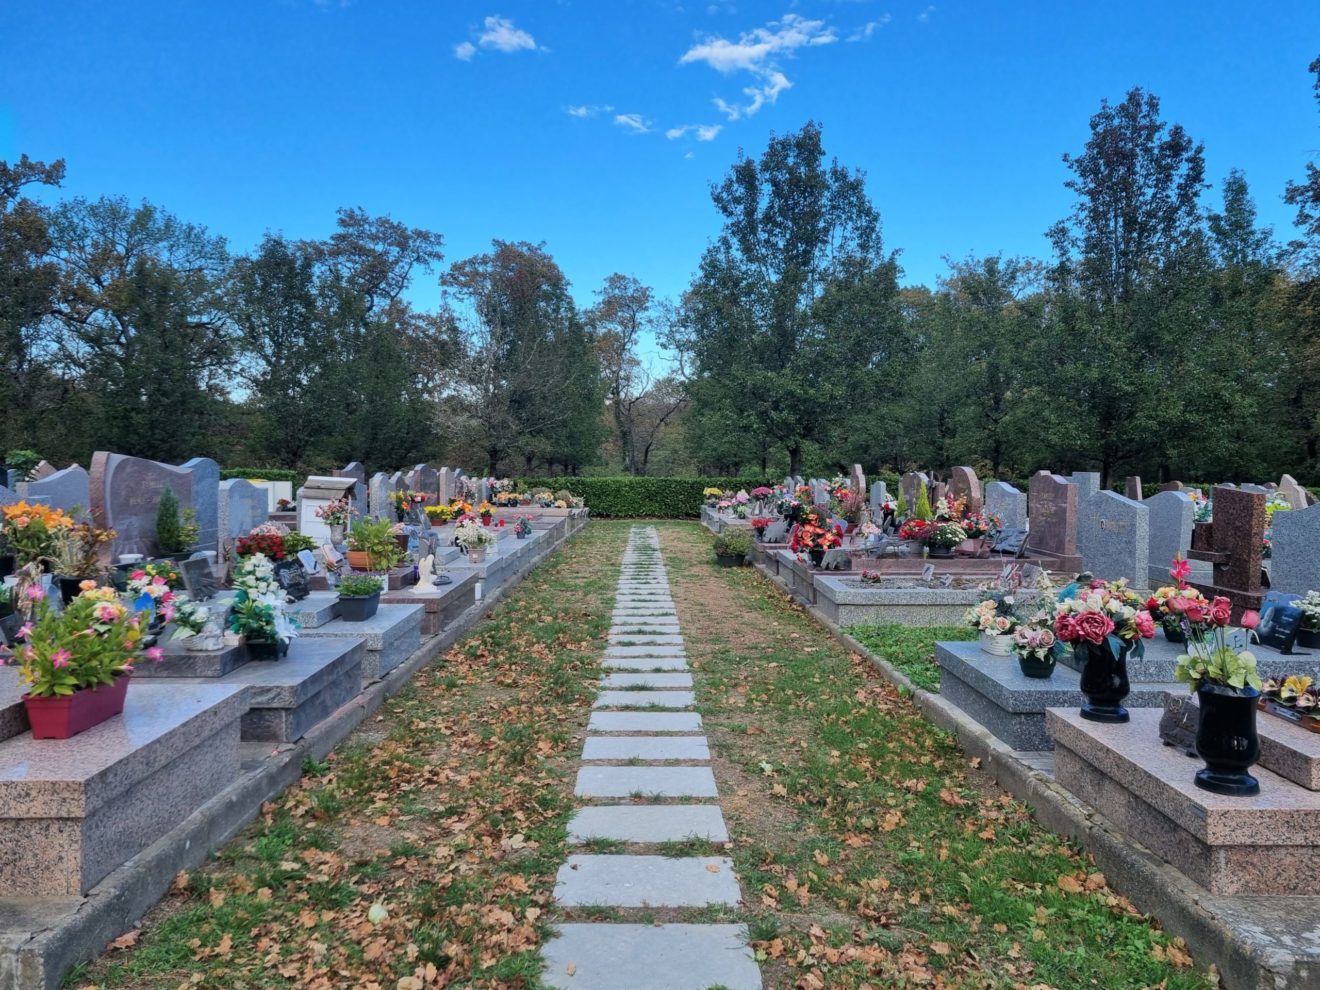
[493,454]
[795,460]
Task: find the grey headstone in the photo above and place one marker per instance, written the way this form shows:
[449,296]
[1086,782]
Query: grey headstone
[424,478]
[125,492]
[378,495]
[1113,534]
[68,489]
[1006,502]
[879,496]
[483,491]
[445,485]
[910,484]
[356,471]
[776,532]
[1171,516]
[1293,492]
[1295,566]
[1255,489]
[1087,482]
[8,497]
[206,500]
[243,506]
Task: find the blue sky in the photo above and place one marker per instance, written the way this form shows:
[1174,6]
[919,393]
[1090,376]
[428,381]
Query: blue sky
[598,126]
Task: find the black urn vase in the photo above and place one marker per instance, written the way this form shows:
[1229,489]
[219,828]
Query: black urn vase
[1104,680]
[1226,739]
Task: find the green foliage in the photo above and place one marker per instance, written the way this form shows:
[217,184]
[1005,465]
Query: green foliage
[373,537]
[901,507]
[923,509]
[22,461]
[169,528]
[732,543]
[652,498]
[262,474]
[360,586]
[293,542]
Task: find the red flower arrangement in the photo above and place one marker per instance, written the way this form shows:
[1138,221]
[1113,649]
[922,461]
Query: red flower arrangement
[270,544]
[809,536]
[916,529]
[761,522]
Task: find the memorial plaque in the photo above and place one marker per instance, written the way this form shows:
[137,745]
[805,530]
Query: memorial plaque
[292,577]
[1009,541]
[1280,621]
[199,578]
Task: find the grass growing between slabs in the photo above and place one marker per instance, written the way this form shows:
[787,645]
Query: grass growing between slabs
[873,853]
[910,648]
[423,852]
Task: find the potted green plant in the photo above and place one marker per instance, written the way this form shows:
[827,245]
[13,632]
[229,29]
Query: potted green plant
[359,597]
[294,542]
[77,557]
[944,538]
[76,663]
[372,545]
[732,547]
[1227,690]
[258,613]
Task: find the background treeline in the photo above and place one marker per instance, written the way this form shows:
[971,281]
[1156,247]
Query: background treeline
[1168,334]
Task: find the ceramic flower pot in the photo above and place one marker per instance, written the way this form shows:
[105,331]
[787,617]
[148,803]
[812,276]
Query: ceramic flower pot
[477,556]
[265,649]
[1309,639]
[336,533]
[69,589]
[358,608]
[1033,666]
[63,717]
[996,644]
[941,552]
[817,556]
[359,560]
[1104,680]
[1226,739]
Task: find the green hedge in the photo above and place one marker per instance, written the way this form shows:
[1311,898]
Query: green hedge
[653,498]
[261,474]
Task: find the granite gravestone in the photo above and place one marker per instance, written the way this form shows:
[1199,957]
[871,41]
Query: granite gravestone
[205,500]
[199,578]
[43,470]
[424,478]
[291,576]
[1172,486]
[68,490]
[125,492]
[378,496]
[910,484]
[1113,535]
[1237,548]
[1132,488]
[963,483]
[1280,621]
[1052,514]
[8,497]
[1292,491]
[1006,502]
[857,482]
[1171,515]
[1295,563]
[1087,482]
[879,496]
[1254,489]
[356,471]
[243,507]
[319,491]
[820,492]
[776,532]
[444,479]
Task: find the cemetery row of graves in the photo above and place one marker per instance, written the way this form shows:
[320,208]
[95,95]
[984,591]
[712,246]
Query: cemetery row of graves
[1146,667]
[176,646]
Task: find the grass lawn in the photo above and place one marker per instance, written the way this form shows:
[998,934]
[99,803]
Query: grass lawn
[910,649]
[872,851]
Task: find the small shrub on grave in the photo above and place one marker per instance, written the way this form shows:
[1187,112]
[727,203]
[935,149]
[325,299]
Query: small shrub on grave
[359,586]
[733,543]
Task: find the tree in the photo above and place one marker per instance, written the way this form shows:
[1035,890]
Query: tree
[526,381]
[640,404]
[1305,196]
[141,320]
[28,278]
[793,302]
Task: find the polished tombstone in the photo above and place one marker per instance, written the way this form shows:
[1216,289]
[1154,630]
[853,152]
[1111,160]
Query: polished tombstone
[355,470]
[963,483]
[1113,535]
[71,811]
[288,697]
[125,492]
[1295,537]
[1171,516]
[242,507]
[205,500]
[1053,507]
[1228,845]
[910,485]
[1132,488]
[1237,548]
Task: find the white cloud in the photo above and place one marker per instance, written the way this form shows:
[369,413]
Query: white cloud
[704,132]
[924,16]
[757,52]
[584,110]
[864,32]
[464,50]
[502,35]
[633,122]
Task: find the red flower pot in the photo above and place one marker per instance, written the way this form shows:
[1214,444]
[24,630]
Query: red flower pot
[63,717]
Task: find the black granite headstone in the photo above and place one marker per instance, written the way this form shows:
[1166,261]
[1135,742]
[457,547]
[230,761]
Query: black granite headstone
[198,578]
[1009,541]
[292,577]
[1280,621]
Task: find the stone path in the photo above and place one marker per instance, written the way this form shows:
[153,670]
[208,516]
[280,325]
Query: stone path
[644,744]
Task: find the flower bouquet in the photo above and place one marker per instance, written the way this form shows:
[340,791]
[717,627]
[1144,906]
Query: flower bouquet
[1171,604]
[995,619]
[31,532]
[760,524]
[1034,643]
[473,539]
[336,515]
[815,538]
[77,557]
[268,544]
[439,514]
[258,613]
[1103,621]
[916,530]
[76,662]
[403,500]
[943,537]
[1309,635]
[711,495]
[522,527]
[981,525]
[1295,698]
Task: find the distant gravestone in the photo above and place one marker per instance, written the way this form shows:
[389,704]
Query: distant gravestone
[1293,492]
[1006,502]
[1087,482]
[1113,535]
[8,497]
[68,490]
[1254,489]
[1171,517]
[206,500]
[1052,514]
[444,486]
[1172,486]
[910,484]
[356,471]
[963,483]
[857,482]
[125,492]
[879,496]
[378,496]
[776,532]
[398,483]
[243,507]
[1295,565]
[319,491]
[43,470]
[483,491]
[1237,542]
[1132,488]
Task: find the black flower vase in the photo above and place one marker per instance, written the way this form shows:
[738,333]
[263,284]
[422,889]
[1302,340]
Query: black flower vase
[1104,681]
[817,556]
[1226,739]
